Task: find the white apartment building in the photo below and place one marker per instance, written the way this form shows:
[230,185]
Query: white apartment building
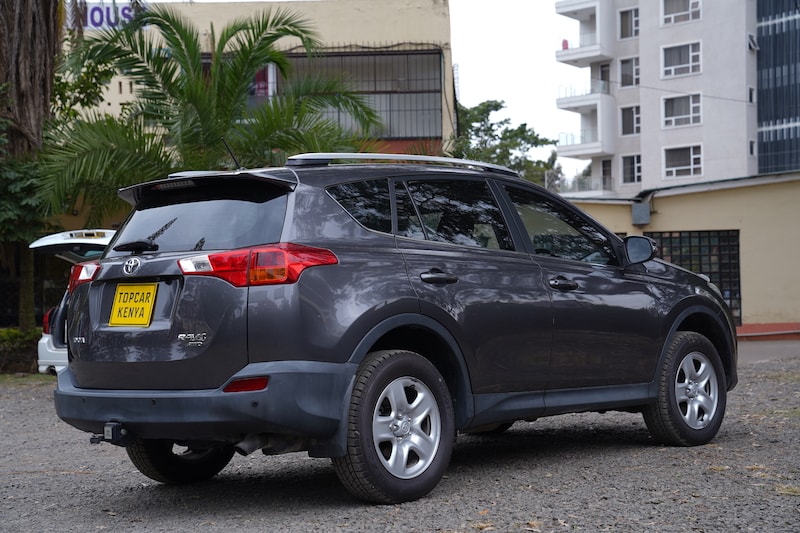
[670,93]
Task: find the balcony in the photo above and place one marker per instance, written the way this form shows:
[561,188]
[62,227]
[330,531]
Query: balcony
[587,51]
[596,30]
[584,99]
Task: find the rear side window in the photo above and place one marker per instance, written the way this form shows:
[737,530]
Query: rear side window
[213,215]
[367,201]
[460,212]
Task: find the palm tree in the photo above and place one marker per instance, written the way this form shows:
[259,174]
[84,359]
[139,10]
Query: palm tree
[187,102]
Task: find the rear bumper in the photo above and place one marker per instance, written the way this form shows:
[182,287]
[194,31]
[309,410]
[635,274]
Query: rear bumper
[302,398]
[49,358]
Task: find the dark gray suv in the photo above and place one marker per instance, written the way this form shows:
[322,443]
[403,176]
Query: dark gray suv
[369,307]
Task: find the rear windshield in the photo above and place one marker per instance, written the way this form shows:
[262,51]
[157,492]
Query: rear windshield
[212,216]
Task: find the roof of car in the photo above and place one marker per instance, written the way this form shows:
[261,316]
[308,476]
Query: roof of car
[323,169]
[327,158]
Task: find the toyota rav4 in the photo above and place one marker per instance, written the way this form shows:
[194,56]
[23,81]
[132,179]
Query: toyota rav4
[368,308]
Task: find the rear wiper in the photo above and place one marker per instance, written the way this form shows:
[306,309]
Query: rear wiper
[136,246]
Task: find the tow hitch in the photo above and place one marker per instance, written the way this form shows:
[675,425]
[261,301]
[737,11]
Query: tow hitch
[114,433]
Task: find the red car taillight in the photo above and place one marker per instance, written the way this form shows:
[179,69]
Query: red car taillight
[273,264]
[46,320]
[247,384]
[82,273]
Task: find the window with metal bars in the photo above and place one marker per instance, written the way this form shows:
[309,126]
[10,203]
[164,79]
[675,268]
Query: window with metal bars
[404,87]
[713,253]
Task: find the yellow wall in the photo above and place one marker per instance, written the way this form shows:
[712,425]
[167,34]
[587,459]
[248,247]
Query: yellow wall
[337,23]
[767,216]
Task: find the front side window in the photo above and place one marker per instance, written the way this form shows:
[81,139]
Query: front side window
[681,60]
[629,72]
[367,201]
[676,11]
[679,162]
[632,168]
[629,23]
[556,231]
[631,120]
[682,110]
[462,212]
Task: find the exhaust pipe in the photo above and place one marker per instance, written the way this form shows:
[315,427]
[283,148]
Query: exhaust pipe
[271,444]
[250,444]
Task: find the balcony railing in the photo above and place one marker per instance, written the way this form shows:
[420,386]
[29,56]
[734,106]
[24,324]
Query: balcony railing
[572,139]
[593,87]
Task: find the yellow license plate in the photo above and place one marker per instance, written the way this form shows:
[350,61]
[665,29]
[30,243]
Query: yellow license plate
[133,304]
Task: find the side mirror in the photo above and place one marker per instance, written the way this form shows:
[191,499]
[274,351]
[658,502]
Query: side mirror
[640,249]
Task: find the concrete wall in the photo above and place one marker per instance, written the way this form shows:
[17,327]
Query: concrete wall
[767,215]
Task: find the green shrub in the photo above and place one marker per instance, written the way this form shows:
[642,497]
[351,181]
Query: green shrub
[18,349]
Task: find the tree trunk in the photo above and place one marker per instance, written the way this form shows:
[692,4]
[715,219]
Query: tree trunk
[30,40]
[27,317]
[29,43]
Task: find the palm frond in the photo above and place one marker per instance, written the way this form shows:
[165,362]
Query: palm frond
[95,158]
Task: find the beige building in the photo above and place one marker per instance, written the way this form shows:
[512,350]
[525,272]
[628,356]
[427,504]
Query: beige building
[396,54]
[740,232]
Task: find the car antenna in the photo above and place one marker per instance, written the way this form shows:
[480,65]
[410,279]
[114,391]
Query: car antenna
[238,166]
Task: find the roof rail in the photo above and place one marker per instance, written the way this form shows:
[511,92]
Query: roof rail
[326,158]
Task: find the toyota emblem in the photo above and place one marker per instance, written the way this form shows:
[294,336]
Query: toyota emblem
[131,266]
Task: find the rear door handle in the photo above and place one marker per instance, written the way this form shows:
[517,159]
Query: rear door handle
[563,284]
[438,277]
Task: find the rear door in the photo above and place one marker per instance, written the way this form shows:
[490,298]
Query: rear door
[73,246]
[148,315]
[463,266]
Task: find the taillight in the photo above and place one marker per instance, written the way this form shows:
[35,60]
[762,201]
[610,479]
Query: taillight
[82,273]
[273,264]
[46,320]
[247,384]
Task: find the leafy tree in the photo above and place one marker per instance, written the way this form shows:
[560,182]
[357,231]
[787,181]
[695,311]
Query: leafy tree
[186,102]
[480,139]
[29,43]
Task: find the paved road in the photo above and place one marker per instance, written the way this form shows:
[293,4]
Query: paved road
[753,351]
[583,472]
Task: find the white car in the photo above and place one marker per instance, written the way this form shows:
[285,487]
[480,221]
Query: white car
[74,247]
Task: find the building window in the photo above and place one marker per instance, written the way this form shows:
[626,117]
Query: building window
[679,162]
[682,110]
[752,42]
[605,172]
[751,95]
[632,168]
[629,72]
[753,149]
[628,23]
[676,11]
[631,120]
[263,87]
[405,88]
[713,253]
[682,60]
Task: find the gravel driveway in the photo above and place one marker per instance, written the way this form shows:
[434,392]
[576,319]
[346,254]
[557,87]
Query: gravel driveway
[584,472]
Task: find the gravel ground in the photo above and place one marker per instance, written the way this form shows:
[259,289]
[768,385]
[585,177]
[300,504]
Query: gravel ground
[584,472]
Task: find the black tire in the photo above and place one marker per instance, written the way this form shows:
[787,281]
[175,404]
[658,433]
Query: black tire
[403,396]
[692,393]
[164,461]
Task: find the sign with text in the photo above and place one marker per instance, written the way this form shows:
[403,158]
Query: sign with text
[106,15]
